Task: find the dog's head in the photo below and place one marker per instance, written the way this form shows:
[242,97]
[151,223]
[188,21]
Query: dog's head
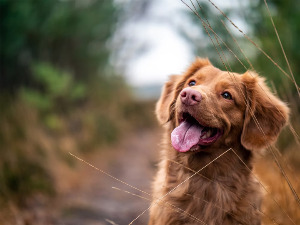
[209,107]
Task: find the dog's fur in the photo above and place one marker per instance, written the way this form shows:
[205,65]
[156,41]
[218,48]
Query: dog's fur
[225,191]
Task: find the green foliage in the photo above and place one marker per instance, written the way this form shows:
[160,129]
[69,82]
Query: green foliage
[58,91]
[56,83]
[56,87]
[22,178]
[107,128]
[214,40]
[53,60]
[22,173]
[68,34]
[36,99]
[140,113]
[63,94]
[286,18]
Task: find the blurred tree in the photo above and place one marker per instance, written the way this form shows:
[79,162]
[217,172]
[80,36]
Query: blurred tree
[54,56]
[287,21]
[71,35]
[213,39]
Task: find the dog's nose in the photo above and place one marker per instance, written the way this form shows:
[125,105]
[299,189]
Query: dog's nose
[190,97]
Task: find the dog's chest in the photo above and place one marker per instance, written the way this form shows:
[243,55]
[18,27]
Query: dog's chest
[203,191]
[202,197]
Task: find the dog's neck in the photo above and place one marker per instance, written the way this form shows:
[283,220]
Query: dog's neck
[222,162]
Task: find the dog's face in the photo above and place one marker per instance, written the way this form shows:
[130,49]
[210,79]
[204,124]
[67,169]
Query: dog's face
[207,107]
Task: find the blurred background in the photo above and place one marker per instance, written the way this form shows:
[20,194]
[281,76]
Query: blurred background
[82,77]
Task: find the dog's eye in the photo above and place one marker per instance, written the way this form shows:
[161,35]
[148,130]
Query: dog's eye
[192,83]
[226,95]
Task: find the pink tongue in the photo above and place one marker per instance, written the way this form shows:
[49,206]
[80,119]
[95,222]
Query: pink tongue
[185,136]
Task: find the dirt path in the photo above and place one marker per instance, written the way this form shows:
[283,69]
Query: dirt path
[94,202]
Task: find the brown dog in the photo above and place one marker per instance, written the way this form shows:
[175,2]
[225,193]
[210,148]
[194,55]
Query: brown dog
[215,121]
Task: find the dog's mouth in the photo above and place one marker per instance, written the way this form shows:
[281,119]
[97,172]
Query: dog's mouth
[190,135]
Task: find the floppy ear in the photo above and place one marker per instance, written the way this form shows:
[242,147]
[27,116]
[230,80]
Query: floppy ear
[265,114]
[167,96]
[173,87]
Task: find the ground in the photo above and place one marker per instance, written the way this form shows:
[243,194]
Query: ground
[94,199]
[87,196]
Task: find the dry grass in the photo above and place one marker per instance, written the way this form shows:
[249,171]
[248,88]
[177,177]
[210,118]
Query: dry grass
[279,191]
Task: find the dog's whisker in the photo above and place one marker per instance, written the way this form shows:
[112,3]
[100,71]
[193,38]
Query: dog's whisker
[177,209]
[128,192]
[110,222]
[107,174]
[295,134]
[173,161]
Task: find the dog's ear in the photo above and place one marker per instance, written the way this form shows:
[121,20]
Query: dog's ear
[167,96]
[172,89]
[265,114]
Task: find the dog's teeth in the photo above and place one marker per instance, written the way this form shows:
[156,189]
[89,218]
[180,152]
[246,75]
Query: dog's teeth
[209,133]
[194,148]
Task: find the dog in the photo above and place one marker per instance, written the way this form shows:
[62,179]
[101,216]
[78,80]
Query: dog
[215,123]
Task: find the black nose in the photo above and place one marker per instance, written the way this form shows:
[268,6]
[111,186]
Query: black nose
[190,97]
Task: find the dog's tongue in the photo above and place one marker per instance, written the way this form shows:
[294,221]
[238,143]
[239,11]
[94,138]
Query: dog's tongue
[185,136]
